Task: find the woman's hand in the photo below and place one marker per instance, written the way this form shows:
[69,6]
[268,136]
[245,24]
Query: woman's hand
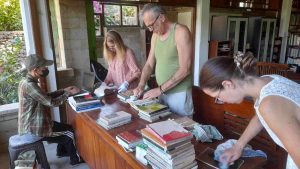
[152,93]
[123,87]
[232,154]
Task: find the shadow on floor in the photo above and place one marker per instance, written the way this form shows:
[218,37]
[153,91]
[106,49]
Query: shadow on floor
[55,163]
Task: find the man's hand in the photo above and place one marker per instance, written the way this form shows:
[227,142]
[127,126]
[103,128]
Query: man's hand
[153,93]
[138,91]
[72,90]
[123,87]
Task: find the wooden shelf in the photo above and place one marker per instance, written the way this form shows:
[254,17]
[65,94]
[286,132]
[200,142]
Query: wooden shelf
[216,46]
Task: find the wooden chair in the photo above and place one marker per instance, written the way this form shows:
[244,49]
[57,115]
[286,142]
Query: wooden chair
[265,68]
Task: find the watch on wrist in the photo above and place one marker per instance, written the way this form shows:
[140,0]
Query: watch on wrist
[161,90]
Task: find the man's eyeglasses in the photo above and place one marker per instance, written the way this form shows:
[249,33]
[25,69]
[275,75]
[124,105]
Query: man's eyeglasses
[150,27]
[217,100]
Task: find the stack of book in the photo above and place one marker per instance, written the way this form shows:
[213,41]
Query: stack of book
[169,146]
[124,96]
[112,120]
[129,140]
[150,110]
[186,122]
[153,112]
[84,102]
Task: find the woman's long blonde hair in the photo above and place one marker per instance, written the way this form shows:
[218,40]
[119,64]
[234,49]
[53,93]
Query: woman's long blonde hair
[119,46]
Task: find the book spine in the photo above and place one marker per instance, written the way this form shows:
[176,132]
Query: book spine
[84,107]
[158,111]
[79,111]
[86,102]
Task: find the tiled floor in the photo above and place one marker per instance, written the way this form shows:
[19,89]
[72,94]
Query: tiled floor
[55,163]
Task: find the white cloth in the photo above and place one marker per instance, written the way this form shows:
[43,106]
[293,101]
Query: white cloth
[123,87]
[282,87]
[180,103]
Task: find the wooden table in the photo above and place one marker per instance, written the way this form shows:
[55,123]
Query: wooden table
[293,76]
[100,149]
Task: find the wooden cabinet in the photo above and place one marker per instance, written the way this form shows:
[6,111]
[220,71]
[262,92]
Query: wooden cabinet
[228,28]
[97,146]
[219,48]
[293,49]
[276,49]
[100,149]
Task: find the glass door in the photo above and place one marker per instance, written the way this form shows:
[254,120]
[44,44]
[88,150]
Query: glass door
[266,43]
[237,33]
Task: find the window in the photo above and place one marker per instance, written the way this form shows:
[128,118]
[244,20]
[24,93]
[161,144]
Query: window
[114,15]
[98,10]
[129,15]
[12,51]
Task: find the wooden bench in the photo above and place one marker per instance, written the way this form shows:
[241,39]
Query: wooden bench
[231,120]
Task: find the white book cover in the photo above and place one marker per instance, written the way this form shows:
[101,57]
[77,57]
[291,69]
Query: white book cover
[166,127]
[108,127]
[115,117]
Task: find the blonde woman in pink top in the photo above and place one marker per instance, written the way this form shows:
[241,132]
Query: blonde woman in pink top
[122,68]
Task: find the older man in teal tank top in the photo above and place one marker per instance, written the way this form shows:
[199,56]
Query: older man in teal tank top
[171,56]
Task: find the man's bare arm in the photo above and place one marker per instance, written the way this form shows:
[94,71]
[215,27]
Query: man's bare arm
[147,69]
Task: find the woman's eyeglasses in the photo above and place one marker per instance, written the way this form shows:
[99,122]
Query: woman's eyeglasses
[217,100]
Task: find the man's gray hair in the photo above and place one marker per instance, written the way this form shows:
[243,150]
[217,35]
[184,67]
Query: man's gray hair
[155,8]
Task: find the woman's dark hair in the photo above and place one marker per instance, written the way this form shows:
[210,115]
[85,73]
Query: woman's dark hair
[218,69]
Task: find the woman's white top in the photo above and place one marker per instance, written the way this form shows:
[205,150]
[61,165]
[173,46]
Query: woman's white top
[287,89]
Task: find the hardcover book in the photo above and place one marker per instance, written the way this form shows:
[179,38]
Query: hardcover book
[186,122]
[129,139]
[79,110]
[169,131]
[125,95]
[130,136]
[115,117]
[152,108]
[88,98]
[86,106]
[207,157]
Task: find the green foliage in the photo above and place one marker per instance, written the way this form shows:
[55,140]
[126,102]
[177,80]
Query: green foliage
[112,15]
[129,11]
[10,16]
[9,75]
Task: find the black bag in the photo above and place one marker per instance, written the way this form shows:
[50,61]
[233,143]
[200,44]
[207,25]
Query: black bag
[100,71]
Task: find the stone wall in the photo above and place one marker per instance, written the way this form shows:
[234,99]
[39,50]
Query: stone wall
[8,124]
[72,37]
[9,37]
[134,38]
[9,113]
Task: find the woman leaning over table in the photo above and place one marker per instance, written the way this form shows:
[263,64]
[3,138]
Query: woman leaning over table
[277,102]
[122,68]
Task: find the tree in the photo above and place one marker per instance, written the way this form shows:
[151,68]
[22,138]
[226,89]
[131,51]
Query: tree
[10,51]
[10,16]
[9,75]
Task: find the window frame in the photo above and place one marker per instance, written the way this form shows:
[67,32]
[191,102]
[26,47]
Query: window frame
[102,16]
